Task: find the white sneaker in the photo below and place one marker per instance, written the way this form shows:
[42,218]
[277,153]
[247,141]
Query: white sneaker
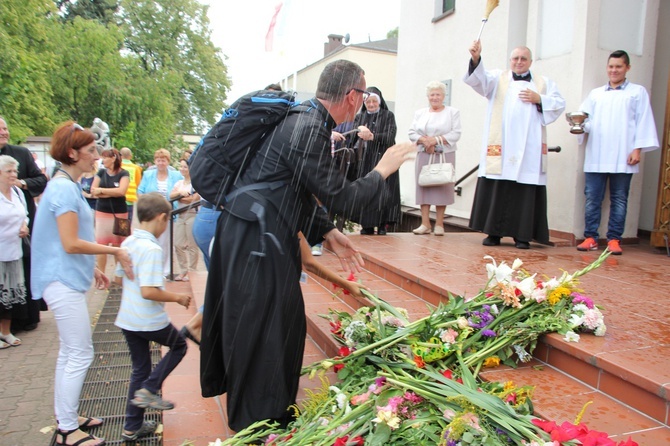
[317,250]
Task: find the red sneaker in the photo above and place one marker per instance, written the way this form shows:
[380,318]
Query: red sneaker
[590,244]
[614,248]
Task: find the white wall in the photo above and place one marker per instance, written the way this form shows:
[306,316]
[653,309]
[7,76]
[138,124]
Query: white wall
[435,51]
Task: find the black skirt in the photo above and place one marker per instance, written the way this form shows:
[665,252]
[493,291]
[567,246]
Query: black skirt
[509,209]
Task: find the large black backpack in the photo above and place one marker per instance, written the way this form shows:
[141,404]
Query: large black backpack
[228,148]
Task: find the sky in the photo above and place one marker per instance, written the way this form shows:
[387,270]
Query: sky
[239,28]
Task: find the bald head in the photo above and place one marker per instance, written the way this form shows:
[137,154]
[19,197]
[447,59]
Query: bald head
[520,60]
[126,154]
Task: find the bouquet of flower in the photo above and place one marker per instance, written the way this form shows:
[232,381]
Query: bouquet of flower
[403,382]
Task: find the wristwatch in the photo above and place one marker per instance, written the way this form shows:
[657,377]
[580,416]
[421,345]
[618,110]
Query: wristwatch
[23,184]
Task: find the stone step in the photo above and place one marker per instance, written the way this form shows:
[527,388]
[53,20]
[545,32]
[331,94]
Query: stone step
[624,402]
[411,218]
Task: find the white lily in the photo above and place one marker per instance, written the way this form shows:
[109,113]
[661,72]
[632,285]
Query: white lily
[527,286]
[498,273]
[571,336]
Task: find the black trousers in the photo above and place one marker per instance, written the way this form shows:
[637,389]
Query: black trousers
[142,376]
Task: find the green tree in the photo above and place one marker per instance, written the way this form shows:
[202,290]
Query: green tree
[171,39]
[392,33]
[25,64]
[100,10]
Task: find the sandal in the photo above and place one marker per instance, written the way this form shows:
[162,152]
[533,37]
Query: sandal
[185,278]
[90,422]
[3,344]
[10,339]
[65,434]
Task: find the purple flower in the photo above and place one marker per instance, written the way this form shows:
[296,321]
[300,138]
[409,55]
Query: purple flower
[480,319]
[581,299]
[380,381]
[489,333]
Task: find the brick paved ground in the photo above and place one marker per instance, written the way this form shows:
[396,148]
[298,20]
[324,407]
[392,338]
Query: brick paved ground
[27,371]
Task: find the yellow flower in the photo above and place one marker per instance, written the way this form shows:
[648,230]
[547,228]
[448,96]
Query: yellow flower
[492,361]
[558,294]
[509,385]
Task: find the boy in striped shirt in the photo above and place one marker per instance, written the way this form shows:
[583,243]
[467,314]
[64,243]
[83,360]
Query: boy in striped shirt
[142,316]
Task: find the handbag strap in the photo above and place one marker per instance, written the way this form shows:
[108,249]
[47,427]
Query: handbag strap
[440,159]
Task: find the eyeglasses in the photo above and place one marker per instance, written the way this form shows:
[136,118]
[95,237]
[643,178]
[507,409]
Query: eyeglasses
[366,94]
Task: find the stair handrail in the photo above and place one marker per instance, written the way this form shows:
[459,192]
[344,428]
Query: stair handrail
[459,189]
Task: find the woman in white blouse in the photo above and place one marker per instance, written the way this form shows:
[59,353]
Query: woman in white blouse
[436,129]
[14,224]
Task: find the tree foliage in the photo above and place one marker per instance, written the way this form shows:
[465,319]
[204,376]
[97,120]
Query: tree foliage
[147,68]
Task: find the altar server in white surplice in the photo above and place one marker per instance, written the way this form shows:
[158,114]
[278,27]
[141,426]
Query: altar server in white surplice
[620,126]
[511,195]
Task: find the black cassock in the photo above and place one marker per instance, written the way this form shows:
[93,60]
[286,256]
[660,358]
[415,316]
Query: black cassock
[385,209]
[254,324]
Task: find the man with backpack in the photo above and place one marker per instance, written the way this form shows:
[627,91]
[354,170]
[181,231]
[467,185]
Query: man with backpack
[254,323]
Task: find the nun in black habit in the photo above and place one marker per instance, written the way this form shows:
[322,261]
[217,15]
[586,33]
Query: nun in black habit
[377,133]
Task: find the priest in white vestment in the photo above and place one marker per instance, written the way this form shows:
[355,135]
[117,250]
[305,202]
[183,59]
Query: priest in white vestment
[511,195]
[620,126]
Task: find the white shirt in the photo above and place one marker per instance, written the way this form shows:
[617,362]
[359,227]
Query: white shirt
[136,312]
[620,121]
[12,216]
[522,125]
[445,123]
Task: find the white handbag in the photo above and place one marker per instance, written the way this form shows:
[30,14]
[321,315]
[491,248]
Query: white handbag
[437,174]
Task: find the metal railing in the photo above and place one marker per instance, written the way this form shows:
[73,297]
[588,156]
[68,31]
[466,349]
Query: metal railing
[458,189]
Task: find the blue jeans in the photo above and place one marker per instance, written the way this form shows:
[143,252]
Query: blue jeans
[595,193]
[204,229]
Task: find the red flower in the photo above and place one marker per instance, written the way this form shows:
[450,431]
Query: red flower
[344,441]
[418,360]
[546,426]
[351,277]
[336,327]
[344,351]
[511,398]
[628,442]
[447,374]
[338,367]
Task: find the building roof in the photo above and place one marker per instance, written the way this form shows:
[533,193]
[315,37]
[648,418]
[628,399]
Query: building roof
[390,45]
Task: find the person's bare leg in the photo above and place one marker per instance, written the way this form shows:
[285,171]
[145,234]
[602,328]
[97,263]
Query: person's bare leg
[439,216]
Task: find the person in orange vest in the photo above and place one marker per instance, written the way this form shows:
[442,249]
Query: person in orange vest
[135,172]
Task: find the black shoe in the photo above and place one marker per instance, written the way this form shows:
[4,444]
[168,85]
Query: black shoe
[521,245]
[491,240]
[381,230]
[368,231]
